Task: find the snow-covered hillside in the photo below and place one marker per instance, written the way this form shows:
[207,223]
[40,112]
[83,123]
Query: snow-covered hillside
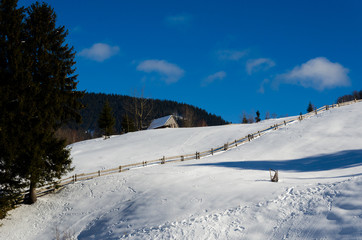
[225,196]
[98,154]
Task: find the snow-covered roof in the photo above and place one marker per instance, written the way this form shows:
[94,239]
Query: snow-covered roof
[159,122]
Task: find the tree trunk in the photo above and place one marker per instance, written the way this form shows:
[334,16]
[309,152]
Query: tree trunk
[31,197]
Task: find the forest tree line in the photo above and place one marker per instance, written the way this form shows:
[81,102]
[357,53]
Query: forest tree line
[138,110]
[356,95]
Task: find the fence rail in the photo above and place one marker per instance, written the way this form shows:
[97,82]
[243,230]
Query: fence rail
[57,185]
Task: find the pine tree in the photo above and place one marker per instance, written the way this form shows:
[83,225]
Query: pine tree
[53,93]
[12,84]
[310,107]
[42,96]
[257,118]
[106,120]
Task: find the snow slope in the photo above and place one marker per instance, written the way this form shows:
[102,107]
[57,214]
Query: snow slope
[225,196]
[98,154]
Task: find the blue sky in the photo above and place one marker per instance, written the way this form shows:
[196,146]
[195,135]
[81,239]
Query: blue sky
[224,56]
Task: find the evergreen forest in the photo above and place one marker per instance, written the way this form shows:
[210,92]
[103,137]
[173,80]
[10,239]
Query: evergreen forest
[126,107]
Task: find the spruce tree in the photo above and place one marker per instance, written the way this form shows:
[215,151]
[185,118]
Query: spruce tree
[106,120]
[53,93]
[310,107]
[257,118]
[42,97]
[13,81]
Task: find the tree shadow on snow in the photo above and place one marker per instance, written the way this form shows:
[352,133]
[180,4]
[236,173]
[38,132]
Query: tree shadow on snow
[112,224]
[339,160]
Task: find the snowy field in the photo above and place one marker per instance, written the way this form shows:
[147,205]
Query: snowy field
[225,196]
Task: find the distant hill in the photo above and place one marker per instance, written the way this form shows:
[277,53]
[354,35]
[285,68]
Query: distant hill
[187,115]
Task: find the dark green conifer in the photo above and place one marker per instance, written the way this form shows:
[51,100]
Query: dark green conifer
[257,118]
[106,120]
[310,107]
[54,99]
[42,96]
[12,83]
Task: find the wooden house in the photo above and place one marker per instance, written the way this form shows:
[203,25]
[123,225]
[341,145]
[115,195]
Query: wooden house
[164,122]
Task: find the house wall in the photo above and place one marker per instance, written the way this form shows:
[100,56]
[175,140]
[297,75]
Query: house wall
[171,123]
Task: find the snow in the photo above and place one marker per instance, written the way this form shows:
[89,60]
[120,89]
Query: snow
[225,196]
[100,154]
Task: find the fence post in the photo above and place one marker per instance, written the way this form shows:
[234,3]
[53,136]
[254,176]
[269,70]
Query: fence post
[163,160]
[55,187]
[99,173]
[212,151]
[75,177]
[259,133]
[285,124]
[120,168]
[197,155]
[275,177]
[182,158]
[226,146]
[236,143]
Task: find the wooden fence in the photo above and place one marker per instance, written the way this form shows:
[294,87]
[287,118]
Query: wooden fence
[57,185]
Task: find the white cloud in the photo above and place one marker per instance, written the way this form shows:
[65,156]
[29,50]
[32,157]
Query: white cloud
[232,55]
[99,52]
[262,86]
[180,19]
[318,73]
[260,64]
[216,76]
[170,73]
